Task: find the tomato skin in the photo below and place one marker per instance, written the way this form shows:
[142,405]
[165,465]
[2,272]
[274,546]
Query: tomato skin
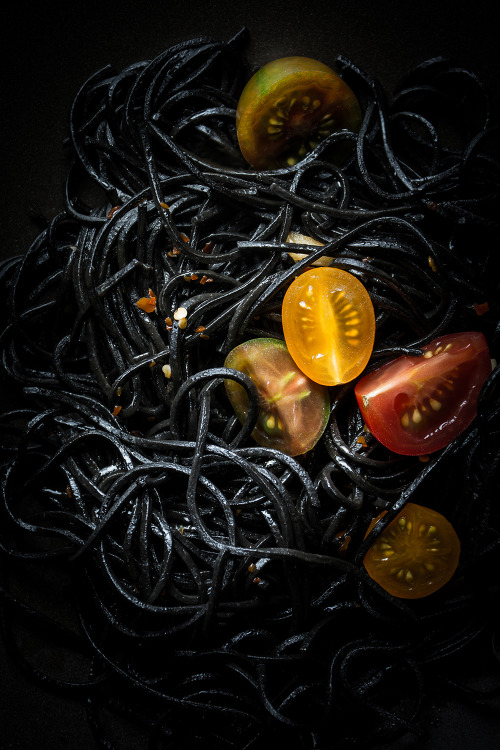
[294,410]
[287,103]
[418,405]
[329,325]
[415,555]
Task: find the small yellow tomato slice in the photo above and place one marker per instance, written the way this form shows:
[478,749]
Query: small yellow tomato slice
[294,411]
[415,555]
[329,325]
[288,107]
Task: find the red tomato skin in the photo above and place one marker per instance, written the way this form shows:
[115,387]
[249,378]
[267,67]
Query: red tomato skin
[443,385]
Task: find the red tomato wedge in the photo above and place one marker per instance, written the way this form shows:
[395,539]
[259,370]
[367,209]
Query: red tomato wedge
[294,411]
[418,405]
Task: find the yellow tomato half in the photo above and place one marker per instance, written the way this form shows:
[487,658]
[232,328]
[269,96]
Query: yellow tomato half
[415,555]
[329,325]
[294,411]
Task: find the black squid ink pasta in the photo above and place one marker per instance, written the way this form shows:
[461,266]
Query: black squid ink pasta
[210,588]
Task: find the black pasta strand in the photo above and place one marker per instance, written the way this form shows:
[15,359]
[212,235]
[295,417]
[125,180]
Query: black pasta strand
[218,586]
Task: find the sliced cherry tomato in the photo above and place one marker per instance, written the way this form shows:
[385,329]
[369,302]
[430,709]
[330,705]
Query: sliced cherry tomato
[290,105]
[415,555]
[417,405]
[329,325]
[294,411]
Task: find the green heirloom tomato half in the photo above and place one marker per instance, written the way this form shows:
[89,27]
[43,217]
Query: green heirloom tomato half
[294,411]
[288,107]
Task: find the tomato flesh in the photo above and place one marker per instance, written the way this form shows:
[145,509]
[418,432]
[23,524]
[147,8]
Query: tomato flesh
[329,325]
[288,107]
[415,555]
[418,405]
[294,411]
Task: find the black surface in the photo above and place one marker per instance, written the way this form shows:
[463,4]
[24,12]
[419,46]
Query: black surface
[50,49]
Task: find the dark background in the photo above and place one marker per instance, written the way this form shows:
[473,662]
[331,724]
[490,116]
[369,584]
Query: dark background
[50,49]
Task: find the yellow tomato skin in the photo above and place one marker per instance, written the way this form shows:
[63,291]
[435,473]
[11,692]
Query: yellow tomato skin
[329,325]
[288,106]
[415,555]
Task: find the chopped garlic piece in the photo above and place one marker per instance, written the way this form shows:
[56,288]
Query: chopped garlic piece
[180,313]
[303,239]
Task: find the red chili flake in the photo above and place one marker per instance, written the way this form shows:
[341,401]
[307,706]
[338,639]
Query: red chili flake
[257,579]
[116,410]
[208,248]
[209,281]
[194,277]
[68,491]
[175,250]
[345,539]
[152,363]
[169,324]
[251,568]
[203,279]
[200,330]
[362,441]
[432,263]
[148,304]
[164,205]
[480,308]
[112,211]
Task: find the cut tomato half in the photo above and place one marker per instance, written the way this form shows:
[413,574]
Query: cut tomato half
[329,325]
[418,405]
[294,411]
[288,107]
[415,555]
